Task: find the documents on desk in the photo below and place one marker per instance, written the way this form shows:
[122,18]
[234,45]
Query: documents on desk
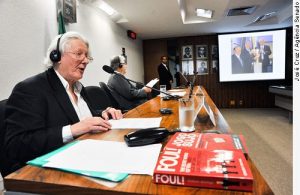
[135,123]
[106,156]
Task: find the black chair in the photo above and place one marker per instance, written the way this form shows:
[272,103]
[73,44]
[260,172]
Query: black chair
[114,102]
[2,134]
[98,98]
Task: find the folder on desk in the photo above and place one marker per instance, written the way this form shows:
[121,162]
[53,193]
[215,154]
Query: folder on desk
[40,161]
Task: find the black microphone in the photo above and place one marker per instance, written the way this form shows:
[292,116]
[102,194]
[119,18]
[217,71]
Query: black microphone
[110,70]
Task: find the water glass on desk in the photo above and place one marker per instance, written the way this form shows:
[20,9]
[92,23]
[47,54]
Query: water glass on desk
[186,114]
[164,89]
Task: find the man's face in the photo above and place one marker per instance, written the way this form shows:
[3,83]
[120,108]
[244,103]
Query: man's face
[74,61]
[164,60]
[247,45]
[201,51]
[187,50]
[123,69]
[237,50]
[261,42]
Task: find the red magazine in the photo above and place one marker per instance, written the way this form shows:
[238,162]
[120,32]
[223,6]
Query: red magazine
[219,169]
[209,141]
[205,160]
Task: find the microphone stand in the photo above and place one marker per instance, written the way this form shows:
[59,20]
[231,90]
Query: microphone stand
[192,85]
[187,82]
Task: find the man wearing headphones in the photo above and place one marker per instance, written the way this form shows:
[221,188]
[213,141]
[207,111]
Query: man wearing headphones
[127,95]
[48,110]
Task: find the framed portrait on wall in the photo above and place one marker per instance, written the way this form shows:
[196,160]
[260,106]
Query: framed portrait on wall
[214,67]
[214,52]
[187,52]
[187,67]
[201,51]
[202,67]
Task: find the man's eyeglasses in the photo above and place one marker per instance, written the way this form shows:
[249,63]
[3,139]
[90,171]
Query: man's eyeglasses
[81,56]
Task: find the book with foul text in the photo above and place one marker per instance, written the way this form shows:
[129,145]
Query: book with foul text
[185,161]
[209,141]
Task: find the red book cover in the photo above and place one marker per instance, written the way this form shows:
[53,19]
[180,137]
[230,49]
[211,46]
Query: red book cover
[209,141]
[219,169]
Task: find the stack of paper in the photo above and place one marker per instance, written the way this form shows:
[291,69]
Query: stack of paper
[104,159]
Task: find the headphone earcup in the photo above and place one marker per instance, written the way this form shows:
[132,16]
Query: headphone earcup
[55,56]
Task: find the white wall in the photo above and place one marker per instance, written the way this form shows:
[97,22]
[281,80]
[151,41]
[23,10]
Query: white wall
[27,27]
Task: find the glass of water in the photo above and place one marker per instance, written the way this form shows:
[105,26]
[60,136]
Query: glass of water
[186,114]
[164,89]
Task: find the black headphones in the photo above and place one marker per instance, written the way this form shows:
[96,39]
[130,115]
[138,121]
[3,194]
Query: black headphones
[55,55]
[120,65]
[117,62]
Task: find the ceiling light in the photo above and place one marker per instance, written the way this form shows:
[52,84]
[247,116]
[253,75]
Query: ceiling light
[264,17]
[107,8]
[206,13]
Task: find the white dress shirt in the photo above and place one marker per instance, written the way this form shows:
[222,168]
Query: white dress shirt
[81,107]
[165,66]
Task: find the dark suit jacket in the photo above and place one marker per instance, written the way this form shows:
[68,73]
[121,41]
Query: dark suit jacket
[165,76]
[127,95]
[36,112]
[248,60]
[237,67]
[264,59]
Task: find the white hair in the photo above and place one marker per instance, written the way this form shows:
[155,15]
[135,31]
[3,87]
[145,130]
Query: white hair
[63,44]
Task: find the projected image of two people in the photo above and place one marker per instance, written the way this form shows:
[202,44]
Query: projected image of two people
[252,54]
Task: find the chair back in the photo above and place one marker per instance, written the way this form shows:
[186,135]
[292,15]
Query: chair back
[114,102]
[99,100]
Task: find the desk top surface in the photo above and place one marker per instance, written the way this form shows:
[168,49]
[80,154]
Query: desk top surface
[48,181]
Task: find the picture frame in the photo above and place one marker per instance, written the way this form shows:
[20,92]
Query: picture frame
[214,52]
[201,51]
[187,52]
[215,66]
[187,67]
[202,67]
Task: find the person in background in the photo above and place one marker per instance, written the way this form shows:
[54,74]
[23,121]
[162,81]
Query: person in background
[50,109]
[236,60]
[165,76]
[264,51]
[127,95]
[247,55]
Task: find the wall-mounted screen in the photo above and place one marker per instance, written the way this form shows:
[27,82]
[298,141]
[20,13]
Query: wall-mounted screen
[252,56]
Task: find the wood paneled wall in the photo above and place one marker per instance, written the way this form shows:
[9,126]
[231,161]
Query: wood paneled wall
[247,94]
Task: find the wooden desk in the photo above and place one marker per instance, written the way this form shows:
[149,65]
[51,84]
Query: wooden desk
[48,181]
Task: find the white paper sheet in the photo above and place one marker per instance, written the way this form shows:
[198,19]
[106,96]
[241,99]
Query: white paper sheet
[152,82]
[135,123]
[107,156]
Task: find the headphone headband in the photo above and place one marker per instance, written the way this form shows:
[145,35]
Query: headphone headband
[55,55]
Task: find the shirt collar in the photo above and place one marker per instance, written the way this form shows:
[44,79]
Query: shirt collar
[77,85]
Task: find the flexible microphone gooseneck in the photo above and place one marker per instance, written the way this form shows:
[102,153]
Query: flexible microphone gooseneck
[187,82]
[110,70]
[192,85]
